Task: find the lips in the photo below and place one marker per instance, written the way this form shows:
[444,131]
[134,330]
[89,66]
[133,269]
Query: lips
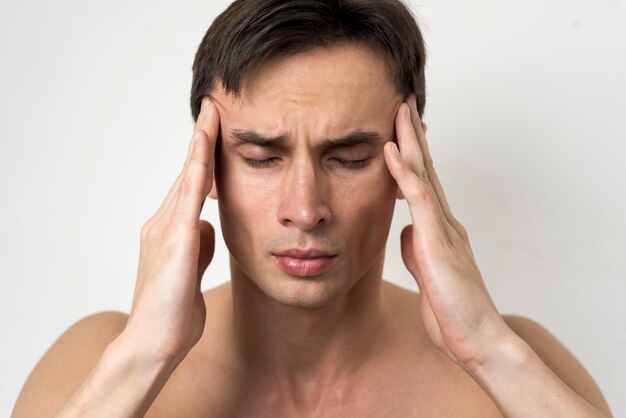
[305,263]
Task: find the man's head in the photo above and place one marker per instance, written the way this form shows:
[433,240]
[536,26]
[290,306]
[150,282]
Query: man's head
[305,190]
[249,32]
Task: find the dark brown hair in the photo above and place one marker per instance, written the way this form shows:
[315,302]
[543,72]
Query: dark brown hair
[249,32]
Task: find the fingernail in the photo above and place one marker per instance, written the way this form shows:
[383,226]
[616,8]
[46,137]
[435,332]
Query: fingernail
[407,110]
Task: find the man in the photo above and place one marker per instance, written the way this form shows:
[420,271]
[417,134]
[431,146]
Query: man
[308,127]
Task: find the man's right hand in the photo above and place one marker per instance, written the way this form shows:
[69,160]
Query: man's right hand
[168,312]
[106,365]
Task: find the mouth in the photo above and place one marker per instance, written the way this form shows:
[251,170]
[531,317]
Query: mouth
[304,263]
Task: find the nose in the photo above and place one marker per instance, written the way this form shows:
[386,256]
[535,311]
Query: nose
[304,198]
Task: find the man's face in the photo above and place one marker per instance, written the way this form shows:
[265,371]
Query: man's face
[308,193]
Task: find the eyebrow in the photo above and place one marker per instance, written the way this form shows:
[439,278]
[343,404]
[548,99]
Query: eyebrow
[247,136]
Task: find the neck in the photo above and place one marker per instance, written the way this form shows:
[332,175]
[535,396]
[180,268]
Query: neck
[308,346]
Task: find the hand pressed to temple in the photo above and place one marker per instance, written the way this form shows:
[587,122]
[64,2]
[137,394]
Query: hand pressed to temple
[456,308]
[458,313]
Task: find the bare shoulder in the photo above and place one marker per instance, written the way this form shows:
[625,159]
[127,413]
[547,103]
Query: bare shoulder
[559,359]
[67,363]
[405,303]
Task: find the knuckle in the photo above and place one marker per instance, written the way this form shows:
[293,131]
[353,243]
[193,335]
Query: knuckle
[186,185]
[195,163]
[422,191]
[462,231]
[454,221]
[423,174]
[147,230]
[426,192]
[458,227]
[143,233]
[149,234]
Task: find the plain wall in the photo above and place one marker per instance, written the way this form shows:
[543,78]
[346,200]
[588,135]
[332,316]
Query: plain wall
[526,104]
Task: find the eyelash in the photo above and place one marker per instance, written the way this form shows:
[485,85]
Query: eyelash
[352,164]
[349,164]
[259,163]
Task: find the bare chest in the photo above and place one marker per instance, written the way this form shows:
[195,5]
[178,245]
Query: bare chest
[392,401]
[389,391]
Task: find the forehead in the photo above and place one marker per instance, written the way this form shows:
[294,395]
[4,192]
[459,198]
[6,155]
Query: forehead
[323,91]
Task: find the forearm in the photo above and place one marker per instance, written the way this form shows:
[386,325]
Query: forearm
[124,383]
[522,385]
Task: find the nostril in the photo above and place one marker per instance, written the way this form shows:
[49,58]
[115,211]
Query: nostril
[304,215]
[304,201]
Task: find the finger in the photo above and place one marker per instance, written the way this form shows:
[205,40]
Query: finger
[407,141]
[171,194]
[425,213]
[193,186]
[200,122]
[209,128]
[210,123]
[430,169]
[408,255]
[412,154]
[207,248]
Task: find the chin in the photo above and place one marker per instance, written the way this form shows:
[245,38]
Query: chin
[304,292]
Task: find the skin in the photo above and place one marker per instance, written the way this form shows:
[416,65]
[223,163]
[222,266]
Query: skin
[283,322]
[307,199]
[344,343]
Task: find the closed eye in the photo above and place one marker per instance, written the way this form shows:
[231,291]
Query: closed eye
[268,162]
[350,164]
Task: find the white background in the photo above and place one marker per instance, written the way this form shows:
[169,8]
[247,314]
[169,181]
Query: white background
[526,109]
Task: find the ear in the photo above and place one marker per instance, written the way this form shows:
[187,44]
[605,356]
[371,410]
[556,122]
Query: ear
[213,191]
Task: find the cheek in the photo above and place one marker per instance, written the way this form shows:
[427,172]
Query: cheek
[239,195]
[367,206]
[370,186]
[245,190]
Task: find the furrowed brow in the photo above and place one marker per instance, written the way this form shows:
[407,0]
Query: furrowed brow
[246,136]
[354,138]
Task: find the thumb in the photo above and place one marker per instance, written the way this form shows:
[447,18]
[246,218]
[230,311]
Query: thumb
[207,247]
[408,253]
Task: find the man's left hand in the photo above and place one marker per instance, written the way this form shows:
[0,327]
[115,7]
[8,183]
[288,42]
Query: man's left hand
[458,313]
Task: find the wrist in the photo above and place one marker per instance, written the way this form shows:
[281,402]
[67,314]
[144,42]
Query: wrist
[124,382]
[502,358]
[134,352]
[157,347]
[521,384]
